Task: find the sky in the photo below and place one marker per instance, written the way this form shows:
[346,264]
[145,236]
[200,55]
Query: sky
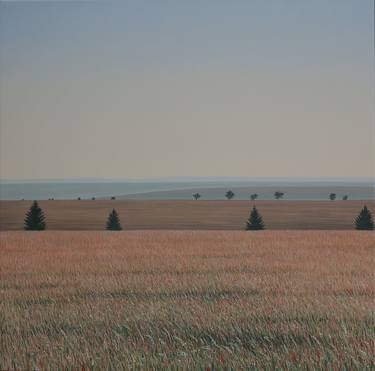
[166,88]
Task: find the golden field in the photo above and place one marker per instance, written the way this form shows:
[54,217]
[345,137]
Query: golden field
[187,300]
[177,215]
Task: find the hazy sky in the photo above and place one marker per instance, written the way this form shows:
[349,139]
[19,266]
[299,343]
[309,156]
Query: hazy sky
[187,88]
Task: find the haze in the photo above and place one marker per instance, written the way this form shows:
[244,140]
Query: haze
[142,89]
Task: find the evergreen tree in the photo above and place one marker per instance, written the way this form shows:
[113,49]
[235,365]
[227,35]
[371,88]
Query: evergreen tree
[364,220]
[35,219]
[196,196]
[255,221]
[113,222]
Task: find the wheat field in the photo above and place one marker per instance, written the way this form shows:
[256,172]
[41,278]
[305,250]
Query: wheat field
[187,300]
[188,215]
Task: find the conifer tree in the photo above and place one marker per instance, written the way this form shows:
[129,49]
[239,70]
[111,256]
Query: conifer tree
[364,220]
[113,222]
[35,219]
[255,221]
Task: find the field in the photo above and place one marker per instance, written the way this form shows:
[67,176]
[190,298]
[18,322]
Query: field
[205,215]
[191,300]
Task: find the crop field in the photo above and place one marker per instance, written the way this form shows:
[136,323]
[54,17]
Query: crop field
[191,215]
[187,299]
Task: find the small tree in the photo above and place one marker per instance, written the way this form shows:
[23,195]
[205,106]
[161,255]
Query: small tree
[229,194]
[113,222]
[35,219]
[364,220]
[345,197]
[332,196]
[278,195]
[254,196]
[196,196]
[255,221]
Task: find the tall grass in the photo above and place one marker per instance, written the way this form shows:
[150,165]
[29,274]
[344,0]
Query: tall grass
[193,300]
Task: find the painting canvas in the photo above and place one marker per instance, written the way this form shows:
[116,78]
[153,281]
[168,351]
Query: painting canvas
[187,185]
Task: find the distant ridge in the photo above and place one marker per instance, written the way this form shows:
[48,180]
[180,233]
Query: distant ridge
[198,179]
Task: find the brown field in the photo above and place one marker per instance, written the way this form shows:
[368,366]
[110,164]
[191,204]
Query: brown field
[205,215]
[187,300]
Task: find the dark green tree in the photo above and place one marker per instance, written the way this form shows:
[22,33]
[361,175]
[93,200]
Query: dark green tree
[364,220]
[196,196]
[113,222]
[254,196]
[345,197]
[278,195]
[332,196]
[229,194]
[255,221]
[35,219]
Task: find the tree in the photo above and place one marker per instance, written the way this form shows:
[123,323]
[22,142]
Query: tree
[345,197]
[254,196]
[332,196]
[278,195]
[113,222]
[196,196]
[113,198]
[35,219]
[255,221]
[364,220]
[229,194]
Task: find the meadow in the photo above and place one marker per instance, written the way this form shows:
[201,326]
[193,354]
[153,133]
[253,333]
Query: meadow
[187,299]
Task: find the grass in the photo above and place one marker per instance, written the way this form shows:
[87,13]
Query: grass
[191,300]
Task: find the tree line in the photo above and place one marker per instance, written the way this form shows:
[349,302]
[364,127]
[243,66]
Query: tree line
[35,220]
[230,195]
[277,195]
